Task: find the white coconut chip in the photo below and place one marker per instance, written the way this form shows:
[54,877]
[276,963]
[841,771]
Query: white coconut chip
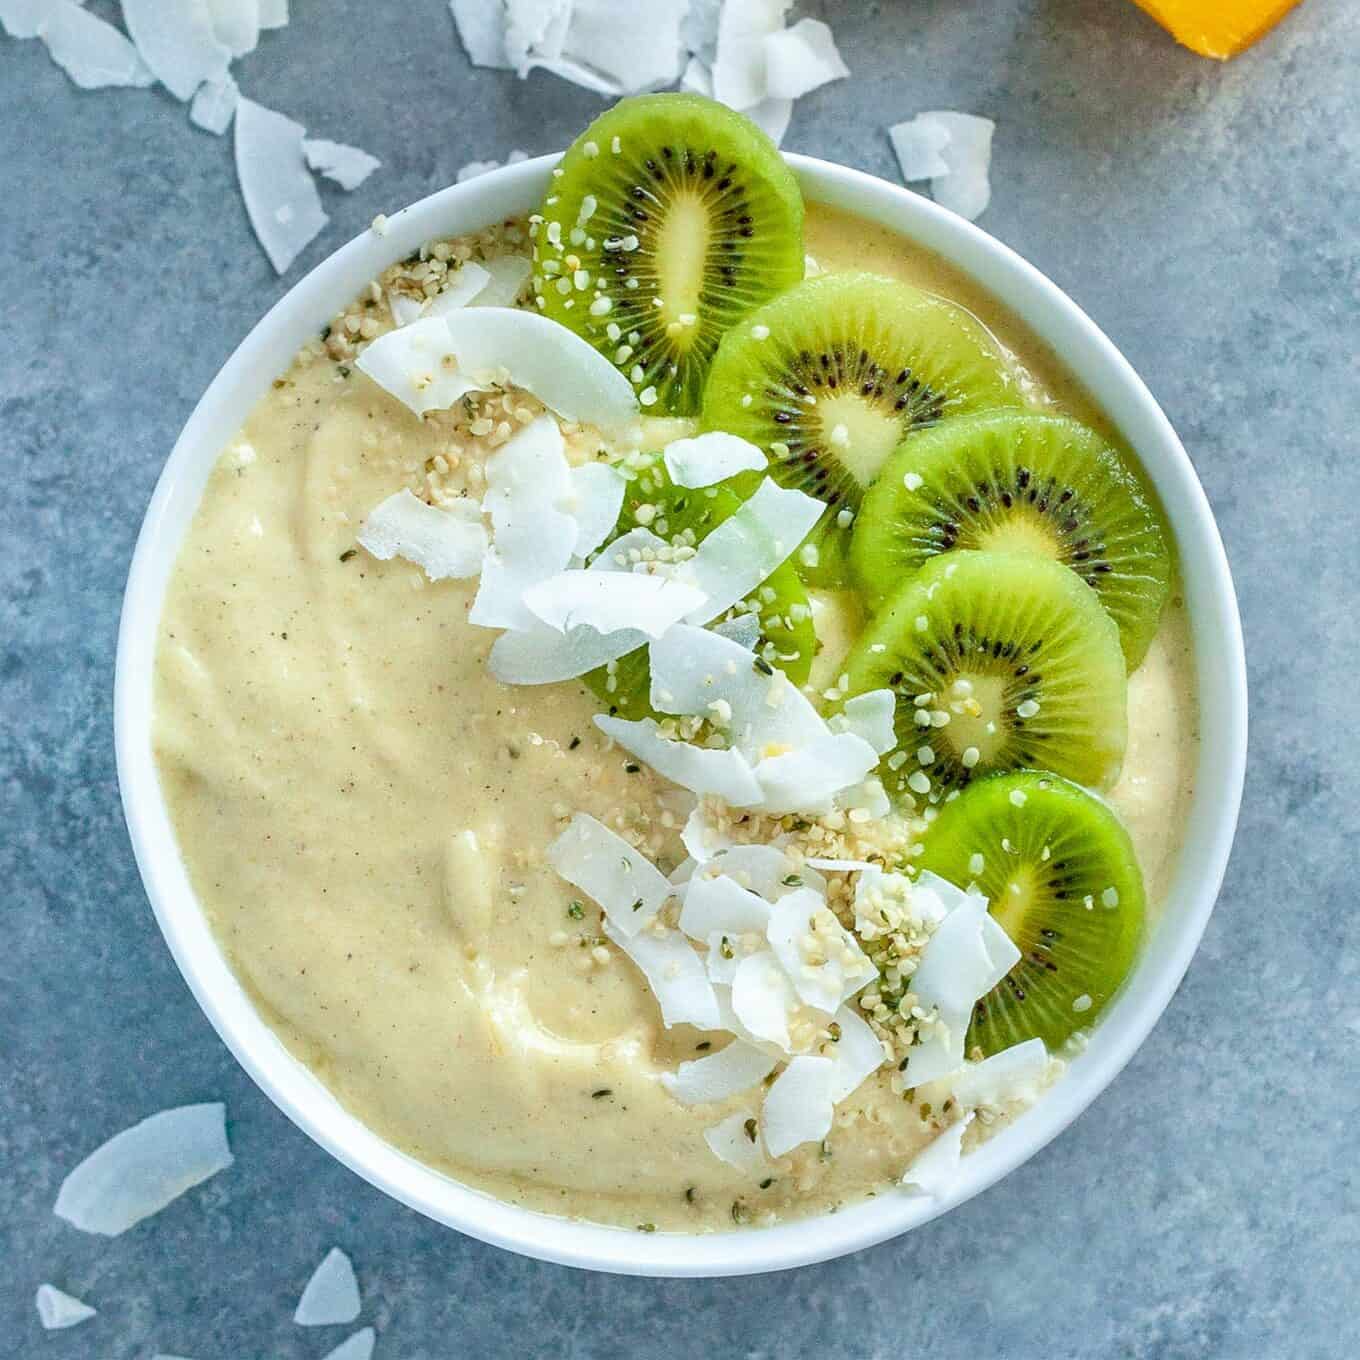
[798,1108]
[404,309]
[627,885]
[610,601]
[214,106]
[966,188]
[870,716]
[720,905]
[621,47]
[763,998]
[1015,1073]
[94,54]
[25,18]
[474,170]
[674,972]
[414,363]
[545,358]
[801,59]
[701,838]
[841,866]
[141,1170]
[739,66]
[506,277]
[731,1142]
[722,959]
[744,630]
[273,13]
[772,117]
[594,499]
[733,559]
[712,457]
[348,166]
[281,197]
[236,24]
[722,774]
[827,985]
[699,30]
[331,1295]
[719,1076]
[58,1310]
[535,31]
[809,778]
[178,43]
[767,870]
[857,1054]
[357,1347]
[446,543]
[934,1169]
[481,30]
[465,284]
[918,143]
[697,78]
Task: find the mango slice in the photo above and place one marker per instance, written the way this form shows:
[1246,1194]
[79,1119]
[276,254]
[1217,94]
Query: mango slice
[1217,28]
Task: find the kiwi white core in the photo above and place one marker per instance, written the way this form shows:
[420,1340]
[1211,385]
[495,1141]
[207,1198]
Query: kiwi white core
[681,254]
[867,434]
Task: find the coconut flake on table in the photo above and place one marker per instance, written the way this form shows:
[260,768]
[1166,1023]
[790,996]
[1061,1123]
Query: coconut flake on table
[1013,1074]
[675,973]
[414,363]
[627,885]
[141,1170]
[722,774]
[526,480]
[801,59]
[348,166]
[772,117]
[280,194]
[58,1310]
[331,1295]
[474,170]
[447,543]
[697,78]
[731,1141]
[739,66]
[810,778]
[273,13]
[798,1108]
[93,53]
[610,601]
[709,458]
[535,30]
[357,1347]
[481,30]
[236,24]
[621,47]
[719,1076]
[869,716]
[825,986]
[721,905]
[548,360]
[178,43]
[699,29]
[961,143]
[25,18]
[763,998]
[857,1054]
[594,498]
[934,1169]
[214,106]
[918,143]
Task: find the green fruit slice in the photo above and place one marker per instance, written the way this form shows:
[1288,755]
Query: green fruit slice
[829,377]
[1010,482]
[669,218]
[1061,877]
[999,661]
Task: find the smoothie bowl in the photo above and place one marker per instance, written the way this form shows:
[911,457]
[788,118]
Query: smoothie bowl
[681,710]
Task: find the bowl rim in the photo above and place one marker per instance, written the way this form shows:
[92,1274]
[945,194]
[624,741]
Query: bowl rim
[1221,688]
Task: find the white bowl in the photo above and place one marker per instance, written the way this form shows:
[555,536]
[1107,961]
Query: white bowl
[1220,668]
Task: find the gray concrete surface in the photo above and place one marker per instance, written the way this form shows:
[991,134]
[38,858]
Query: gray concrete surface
[1205,215]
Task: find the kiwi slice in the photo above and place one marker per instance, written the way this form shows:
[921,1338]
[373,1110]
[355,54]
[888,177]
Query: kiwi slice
[999,661]
[1062,879]
[684,517]
[830,376]
[669,218]
[1019,483]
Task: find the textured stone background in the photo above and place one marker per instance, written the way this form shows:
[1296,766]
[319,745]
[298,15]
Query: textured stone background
[1205,215]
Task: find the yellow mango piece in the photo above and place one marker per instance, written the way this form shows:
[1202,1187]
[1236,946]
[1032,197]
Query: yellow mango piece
[1217,28]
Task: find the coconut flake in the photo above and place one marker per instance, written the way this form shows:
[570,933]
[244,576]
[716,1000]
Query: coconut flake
[858,1054]
[841,866]
[870,716]
[58,1310]
[801,59]
[481,30]
[809,778]
[731,1142]
[545,358]
[709,458]
[621,48]
[739,66]
[824,986]
[144,1168]
[697,78]
[744,630]
[799,1107]
[506,277]
[404,309]
[177,42]
[273,13]
[767,870]
[474,170]
[772,117]
[446,543]
[720,905]
[723,774]
[594,499]
[699,29]
[609,601]
[918,144]
[701,839]
[733,559]
[25,18]
[331,1295]
[763,998]
[357,1347]
[719,1076]
[535,31]
[936,1166]
[627,885]
[93,53]
[346,165]
[236,24]
[1011,1075]
[466,282]
[415,363]
[674,972]
[280,194]
[966,188]
[214,105]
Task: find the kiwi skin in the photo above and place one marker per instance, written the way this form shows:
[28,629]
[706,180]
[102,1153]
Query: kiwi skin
[696,203]
[1078,918]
